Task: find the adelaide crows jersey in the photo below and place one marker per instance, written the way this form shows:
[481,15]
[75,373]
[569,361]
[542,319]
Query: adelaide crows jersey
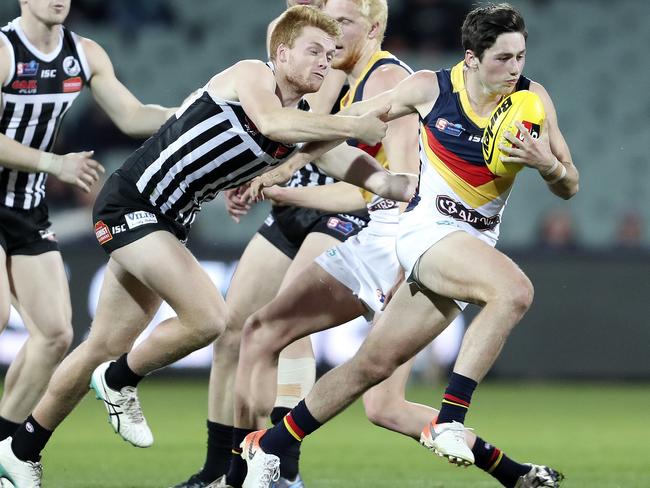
[452,168]
[381,210]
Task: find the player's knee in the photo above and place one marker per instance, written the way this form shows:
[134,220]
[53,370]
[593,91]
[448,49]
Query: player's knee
[229,340]
[62,341]
[258,332]
[521,295]
[375,411]
[210,329]
[56,339]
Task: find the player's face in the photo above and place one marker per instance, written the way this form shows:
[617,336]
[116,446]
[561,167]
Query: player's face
[503,63]
[50,12]
[313,3]
[355,29]
[310,59]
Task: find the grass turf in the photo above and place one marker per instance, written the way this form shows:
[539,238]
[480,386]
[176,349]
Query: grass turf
[596,434]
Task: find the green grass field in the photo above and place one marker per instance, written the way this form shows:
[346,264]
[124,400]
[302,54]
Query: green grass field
[597,434]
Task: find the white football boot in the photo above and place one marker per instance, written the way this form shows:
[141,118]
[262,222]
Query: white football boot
[22,474]
[448,440]
[124,411]
[540,477]
[286,483]
[263,468]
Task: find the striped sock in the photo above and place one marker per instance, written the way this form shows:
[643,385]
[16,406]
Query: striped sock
[494,462]
[292,429]
[457,398]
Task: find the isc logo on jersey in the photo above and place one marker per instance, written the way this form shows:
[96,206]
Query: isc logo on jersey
[522,106]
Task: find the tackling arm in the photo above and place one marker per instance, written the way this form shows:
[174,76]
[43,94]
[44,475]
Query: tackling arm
[347,163]
[336,197]
[255,86]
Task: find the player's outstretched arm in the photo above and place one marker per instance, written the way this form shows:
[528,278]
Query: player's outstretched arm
[350,164]
[282,173]
[255,87]
[122,107]
[414,94]
[549,154]
[336,197]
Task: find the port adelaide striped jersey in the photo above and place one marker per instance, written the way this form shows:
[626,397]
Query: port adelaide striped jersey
[208,146]
[36,94]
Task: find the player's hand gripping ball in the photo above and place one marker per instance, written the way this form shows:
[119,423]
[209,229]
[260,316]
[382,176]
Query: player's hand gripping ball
[523,106]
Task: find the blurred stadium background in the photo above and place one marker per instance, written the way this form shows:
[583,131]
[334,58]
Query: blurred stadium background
[589,258]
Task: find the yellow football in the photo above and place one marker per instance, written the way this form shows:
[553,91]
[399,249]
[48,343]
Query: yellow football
[523,106]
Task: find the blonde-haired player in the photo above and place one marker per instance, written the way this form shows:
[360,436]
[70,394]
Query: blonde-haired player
[446,247]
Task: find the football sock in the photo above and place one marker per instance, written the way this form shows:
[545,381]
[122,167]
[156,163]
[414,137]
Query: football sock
[217,459]
[494,462]
[29,440]
[290,459]
[292,430]
[237,470]
[119,375]
[456,400]
[7,428]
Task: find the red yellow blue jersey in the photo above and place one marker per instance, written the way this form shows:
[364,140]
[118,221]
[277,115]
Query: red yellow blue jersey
[355,94]
[450,144]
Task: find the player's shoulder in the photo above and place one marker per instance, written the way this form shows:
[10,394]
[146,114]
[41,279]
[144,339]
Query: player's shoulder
[252,65]
[6,55]
[538,88]
[252,70]
[91,48]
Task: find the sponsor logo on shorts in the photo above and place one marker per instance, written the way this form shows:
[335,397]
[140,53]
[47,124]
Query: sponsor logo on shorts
[456,210]
[72,85]
[381,296]
[27,69]
[116,229]
[102,233]
[47,234]
[268,221]
[136,219]
[331,252]
[340,226]
[447,222]
[355,220]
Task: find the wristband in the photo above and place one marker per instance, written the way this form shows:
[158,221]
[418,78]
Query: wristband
[50,163]
[557,178]
[552,169]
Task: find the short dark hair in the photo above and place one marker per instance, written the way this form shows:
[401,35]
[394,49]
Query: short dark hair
[484,24]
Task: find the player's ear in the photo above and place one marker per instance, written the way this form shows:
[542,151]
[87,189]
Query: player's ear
[374,31]
[471,61]
[283,53]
